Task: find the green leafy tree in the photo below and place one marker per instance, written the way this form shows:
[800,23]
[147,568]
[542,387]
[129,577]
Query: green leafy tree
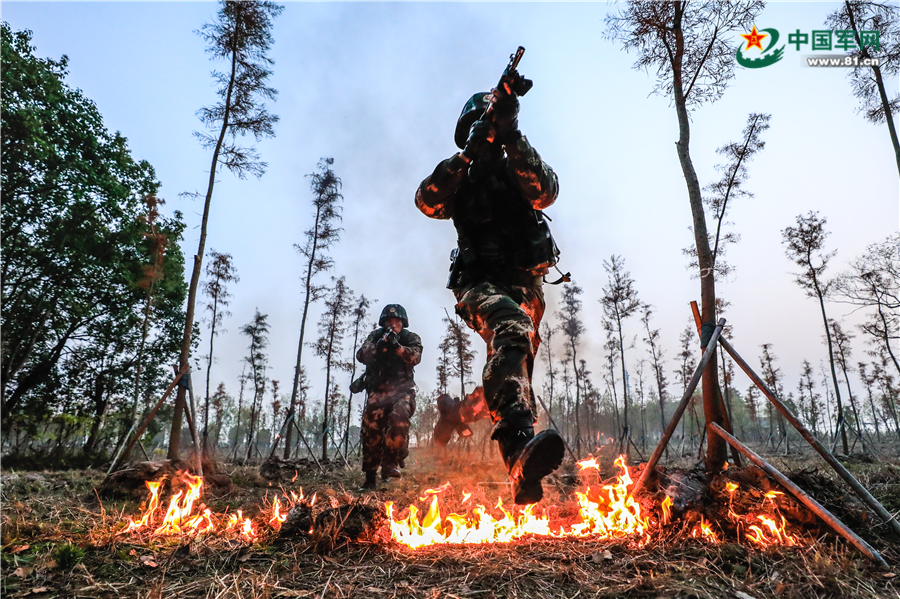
[72,240]
[240,36]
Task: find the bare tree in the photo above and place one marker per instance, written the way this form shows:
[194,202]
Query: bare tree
[257,330]
[805,246]
[329,345]
[772,376]
[620,302]
[874,282]
[547,333]
[808,398]
[241,35]
[457,346]
[220,272]
[359,314]
[685,370]
[570,323]
[319,238]
[657,356]
[842,356]
[867,82]
[687,44]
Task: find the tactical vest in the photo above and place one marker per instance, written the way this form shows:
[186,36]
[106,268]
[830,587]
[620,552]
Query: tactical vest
[387,370]
[498,231]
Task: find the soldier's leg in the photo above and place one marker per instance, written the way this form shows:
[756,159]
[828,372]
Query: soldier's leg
[396,436]
[508,319]
[372,439]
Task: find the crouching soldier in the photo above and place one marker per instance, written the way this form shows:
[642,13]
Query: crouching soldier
[390,354]
[456,415]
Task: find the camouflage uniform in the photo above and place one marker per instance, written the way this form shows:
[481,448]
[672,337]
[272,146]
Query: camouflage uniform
[391,399]
[494,191]
[498,291]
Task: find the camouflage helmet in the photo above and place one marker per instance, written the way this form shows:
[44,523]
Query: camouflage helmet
[471,112]
[393,311]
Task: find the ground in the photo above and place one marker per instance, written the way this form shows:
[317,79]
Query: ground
[61,539]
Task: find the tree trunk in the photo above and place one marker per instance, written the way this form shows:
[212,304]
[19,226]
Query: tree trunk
[717,448]
[879,81]
[175,437]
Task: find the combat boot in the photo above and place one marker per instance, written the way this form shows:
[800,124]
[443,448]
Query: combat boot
[529,458]
[371,481]
[389,471]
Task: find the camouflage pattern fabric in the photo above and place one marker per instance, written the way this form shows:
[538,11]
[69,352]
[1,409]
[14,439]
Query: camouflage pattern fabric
[507,318]
[391,401]
[385,427]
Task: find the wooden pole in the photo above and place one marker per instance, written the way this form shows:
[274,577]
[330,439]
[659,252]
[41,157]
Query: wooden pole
[808,501]
[823,451]
[152,413]
[650,468]
[726,418]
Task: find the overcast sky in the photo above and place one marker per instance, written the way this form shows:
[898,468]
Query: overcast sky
[378,87]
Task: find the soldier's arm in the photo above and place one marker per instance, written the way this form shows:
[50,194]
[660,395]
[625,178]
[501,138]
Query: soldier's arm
[435,194]
[367,351]
[412,352]
[535,179]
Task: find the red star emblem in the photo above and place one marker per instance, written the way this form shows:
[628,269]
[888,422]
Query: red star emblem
[754,38]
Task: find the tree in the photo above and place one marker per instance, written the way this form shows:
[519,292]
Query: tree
[220,272]
[222,403]
[241,36]
[547,332]
[656,360]
[809,399]
[572,328]
[771,376]
[72,233]
[805,246]
[873,281]
[257,331]
[842,357]
[868,82]
[319,237]
[688,45]
[685,371]
[620,301]
[457,346]
[329,345]
[359,314]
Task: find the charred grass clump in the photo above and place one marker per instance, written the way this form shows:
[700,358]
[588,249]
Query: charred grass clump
[60,541]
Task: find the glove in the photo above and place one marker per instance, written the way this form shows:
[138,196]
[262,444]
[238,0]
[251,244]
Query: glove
[505,114]
[390,342]
[478,143]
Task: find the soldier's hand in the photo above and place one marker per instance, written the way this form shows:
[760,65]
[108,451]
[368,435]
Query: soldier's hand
[505,113]
[479,140]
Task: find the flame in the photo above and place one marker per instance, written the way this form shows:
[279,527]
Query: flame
[705,531]
[666,506]
[777,534]
[731,488]
[183,516]
[591,462]
[610,513]
[771,495]
[444,487]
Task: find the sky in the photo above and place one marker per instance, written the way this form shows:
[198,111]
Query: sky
[379,86]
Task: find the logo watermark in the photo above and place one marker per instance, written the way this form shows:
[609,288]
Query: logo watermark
[818,40]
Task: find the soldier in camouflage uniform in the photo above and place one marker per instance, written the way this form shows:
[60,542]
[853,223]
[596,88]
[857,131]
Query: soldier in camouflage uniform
[494,191]
[390,354]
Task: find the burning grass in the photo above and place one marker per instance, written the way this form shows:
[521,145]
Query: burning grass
[672,562]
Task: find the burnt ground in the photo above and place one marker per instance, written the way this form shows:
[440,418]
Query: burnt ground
[59,539]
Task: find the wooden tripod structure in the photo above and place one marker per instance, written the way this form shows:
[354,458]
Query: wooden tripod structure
[727,435]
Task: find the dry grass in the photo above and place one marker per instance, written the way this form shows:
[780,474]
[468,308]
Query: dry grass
[73,551]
